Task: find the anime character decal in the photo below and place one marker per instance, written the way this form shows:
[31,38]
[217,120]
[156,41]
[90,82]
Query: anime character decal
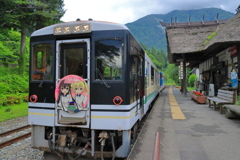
[77,89]
[65,97]
[72,94]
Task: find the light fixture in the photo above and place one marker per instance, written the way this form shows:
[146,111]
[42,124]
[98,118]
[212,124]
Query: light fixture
[57,30]
[66,29]
[179,60]
[72,29]
[117,100]
[76,29]
[33,98]
[86,27]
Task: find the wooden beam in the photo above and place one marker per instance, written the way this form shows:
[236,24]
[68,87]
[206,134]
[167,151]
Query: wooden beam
[238,60]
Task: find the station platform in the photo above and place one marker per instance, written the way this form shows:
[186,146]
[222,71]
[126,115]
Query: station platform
[188,131]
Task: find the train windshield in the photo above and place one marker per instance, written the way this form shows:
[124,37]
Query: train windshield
[73,59]
[42,62]
[108,59]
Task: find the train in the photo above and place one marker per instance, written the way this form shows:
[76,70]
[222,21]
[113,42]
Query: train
[90,86]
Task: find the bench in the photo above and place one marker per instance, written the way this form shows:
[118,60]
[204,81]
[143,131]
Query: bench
[232,111]
[223,97]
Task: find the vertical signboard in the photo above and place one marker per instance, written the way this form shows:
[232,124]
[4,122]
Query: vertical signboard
[234,79]
[180,71]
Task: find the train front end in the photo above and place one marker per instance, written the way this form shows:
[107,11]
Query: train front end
[78,99]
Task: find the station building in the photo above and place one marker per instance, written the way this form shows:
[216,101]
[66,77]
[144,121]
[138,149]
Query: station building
[213,47]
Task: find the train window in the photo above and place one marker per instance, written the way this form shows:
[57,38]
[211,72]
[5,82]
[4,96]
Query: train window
[74,60]
[39,57]
[108,59]
[140,67]
[146,74]
[152,76]
[42,62]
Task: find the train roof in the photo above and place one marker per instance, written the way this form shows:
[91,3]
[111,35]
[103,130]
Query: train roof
[95,26]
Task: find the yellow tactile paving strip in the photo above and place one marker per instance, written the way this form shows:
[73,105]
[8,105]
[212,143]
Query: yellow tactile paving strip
[173,103]
[172,98]
[175,109]
[177,113]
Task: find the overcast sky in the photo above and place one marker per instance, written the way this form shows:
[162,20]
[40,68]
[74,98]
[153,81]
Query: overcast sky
[126,11]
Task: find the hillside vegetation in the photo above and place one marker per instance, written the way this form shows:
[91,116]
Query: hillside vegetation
[14,86]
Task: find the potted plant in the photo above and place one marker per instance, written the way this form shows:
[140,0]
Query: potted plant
[198,97]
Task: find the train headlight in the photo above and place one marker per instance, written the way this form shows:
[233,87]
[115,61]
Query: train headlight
[72,29]
[117,100]
[33,98]
[58,30]
[77,29]
[66,29]
[86,27]
[62,30]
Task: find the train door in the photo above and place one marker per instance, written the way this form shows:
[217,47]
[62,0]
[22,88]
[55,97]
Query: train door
[139,86]
[72,68]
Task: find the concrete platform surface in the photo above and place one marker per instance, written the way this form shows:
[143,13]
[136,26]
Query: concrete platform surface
[204,134]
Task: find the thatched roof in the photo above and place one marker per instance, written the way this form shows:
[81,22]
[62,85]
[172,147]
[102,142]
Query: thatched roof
[190,39]
[200,40]
[227,33]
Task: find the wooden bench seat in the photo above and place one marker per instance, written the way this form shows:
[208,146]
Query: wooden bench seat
[223,97]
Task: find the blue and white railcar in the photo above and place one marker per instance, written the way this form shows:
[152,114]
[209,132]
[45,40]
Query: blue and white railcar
[90,85]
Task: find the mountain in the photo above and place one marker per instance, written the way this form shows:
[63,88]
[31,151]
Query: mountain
[149,31]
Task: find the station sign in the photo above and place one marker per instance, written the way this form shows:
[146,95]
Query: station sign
[180,71]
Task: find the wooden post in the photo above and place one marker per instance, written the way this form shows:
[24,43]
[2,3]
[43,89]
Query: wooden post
[184,76]
[238,72]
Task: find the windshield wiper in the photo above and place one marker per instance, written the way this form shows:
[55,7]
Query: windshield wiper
[45,77]
[102,78]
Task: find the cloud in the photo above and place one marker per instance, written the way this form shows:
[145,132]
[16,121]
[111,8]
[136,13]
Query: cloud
[126,11]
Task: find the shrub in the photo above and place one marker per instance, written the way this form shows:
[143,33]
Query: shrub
[11,99]
[13,84]
[191,80]
[14,87]
[238,100]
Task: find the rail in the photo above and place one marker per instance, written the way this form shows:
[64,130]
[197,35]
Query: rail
[16,139]
[14,130]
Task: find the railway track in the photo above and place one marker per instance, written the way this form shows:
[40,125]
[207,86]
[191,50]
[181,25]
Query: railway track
[16,139]
[26,135]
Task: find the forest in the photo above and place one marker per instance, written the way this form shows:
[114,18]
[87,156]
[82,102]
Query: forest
[18,19]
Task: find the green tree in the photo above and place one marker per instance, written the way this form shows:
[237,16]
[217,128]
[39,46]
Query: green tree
[159,57]
[9,47]
[28,15]
[172,73]
[191,80]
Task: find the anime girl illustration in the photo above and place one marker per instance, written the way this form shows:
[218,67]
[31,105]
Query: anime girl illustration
[65,96]
[81,93]
[72,94]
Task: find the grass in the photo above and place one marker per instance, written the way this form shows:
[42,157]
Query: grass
[14,111]
[238,100]
[190,88]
